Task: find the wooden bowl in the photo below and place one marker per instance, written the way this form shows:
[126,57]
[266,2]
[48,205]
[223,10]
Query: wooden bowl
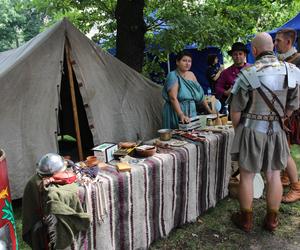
[91,161]
[145,151]
[127,144]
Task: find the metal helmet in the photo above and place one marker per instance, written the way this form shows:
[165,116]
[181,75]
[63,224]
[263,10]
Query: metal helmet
[50,163]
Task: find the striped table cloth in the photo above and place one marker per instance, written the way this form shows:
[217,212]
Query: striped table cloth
[167,190]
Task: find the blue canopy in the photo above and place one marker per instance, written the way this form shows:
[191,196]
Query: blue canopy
[199,65]
[294,23]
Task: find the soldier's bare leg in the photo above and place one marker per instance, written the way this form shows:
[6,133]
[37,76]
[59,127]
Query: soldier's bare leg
[274,194]
[291,170]
[244,218]
[246,189]
[274,189]
[294,192]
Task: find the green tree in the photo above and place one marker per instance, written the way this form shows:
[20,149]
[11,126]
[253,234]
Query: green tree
[10,24]
[165,26]
[18,23]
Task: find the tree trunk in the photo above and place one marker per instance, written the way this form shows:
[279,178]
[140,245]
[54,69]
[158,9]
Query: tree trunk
[131,30]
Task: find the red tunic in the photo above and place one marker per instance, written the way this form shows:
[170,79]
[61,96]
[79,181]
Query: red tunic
[226,80]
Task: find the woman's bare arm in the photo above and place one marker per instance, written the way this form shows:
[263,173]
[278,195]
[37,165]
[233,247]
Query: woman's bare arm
[175,104]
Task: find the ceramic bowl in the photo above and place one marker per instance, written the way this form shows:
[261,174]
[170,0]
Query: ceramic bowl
[145,151]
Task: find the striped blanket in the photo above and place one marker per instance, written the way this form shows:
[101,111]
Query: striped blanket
[167,190]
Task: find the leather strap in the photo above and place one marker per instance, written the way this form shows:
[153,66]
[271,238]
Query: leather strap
[261,117]
[292,58]
[274,96]
[271,106]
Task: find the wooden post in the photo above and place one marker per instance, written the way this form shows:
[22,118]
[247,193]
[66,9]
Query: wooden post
[74,105]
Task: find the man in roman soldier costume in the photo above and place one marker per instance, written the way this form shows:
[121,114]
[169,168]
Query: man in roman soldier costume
[262,96]
[284,41]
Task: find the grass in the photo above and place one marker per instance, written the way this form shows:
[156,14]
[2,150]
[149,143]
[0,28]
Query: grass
[214,230]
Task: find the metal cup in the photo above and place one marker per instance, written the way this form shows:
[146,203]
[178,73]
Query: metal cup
[165,134]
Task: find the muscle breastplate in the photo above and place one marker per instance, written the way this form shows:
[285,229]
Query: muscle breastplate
[258,115]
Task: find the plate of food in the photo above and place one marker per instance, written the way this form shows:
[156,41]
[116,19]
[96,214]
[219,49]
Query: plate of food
[177,143]
[211,116]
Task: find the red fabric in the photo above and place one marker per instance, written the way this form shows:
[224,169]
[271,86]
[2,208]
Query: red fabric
[294,126]
[61,178]
[5,196]
[64,177]
[226,80]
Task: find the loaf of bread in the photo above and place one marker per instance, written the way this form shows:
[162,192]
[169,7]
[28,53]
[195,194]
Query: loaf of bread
[123,166]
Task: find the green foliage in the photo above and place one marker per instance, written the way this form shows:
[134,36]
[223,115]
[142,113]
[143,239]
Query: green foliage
[171,24]
[8,214]
[10,22]
[18,23]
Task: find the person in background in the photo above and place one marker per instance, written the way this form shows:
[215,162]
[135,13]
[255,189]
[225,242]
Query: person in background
[226,80]
[213,71]
[284,41]
[181,92]
[260,97]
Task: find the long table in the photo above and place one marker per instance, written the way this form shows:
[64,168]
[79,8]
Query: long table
[167,190]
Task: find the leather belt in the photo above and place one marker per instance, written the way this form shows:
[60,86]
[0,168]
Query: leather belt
[261,117]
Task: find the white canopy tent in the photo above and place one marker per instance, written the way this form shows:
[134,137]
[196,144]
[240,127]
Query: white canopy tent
[114,102]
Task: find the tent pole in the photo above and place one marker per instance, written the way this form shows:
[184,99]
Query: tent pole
[169,67]
[74,105]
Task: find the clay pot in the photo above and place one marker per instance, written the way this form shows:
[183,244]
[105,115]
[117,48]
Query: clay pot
[224,120]
[218,121]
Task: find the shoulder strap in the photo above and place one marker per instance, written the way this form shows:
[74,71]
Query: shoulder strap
[274,96]
[293,58]
[270,105]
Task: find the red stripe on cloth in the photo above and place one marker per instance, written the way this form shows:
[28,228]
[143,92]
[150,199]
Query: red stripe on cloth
[154,198]
[183,185]
[187,182]
[94,217]
[197,176]
[146,205]
[110,207]
[173,184]
[121,187]
[121,211]
[131,215]
[162,221]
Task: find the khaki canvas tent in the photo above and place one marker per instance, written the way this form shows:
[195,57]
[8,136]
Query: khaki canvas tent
[113,102]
